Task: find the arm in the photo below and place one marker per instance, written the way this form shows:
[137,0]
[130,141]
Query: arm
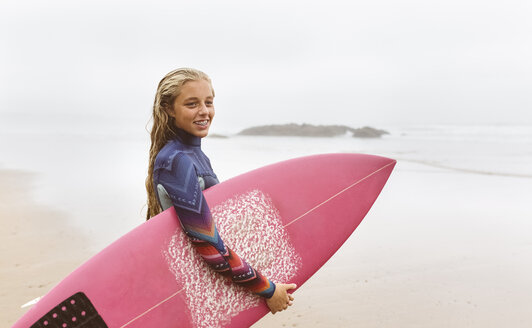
[181,184]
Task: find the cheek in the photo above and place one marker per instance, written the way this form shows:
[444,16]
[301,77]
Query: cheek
[188,115]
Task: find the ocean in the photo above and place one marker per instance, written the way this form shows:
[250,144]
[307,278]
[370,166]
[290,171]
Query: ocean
[98,179]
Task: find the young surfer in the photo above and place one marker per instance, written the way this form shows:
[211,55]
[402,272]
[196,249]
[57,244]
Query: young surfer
[183,111]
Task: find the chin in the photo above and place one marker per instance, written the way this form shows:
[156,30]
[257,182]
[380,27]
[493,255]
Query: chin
[202,134]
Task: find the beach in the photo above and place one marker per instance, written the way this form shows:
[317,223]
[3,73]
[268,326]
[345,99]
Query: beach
[446,244]
[38,247]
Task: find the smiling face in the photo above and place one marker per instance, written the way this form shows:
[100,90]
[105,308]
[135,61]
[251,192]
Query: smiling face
[193,109]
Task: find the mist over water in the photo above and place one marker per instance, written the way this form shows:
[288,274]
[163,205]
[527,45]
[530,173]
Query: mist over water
[73,66]
[447,243]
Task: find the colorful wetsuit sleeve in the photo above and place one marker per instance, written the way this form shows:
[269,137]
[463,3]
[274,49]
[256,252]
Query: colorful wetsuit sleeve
[181,184]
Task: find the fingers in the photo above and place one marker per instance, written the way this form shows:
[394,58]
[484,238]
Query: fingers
[288,286]
[281,299]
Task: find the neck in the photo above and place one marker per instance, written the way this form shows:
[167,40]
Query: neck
[188,138]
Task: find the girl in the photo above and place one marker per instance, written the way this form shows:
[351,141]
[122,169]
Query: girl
[183,111]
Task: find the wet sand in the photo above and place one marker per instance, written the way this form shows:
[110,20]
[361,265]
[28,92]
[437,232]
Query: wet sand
[38,247]
[440,248]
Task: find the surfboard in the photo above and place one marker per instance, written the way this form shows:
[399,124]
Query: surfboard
[286,219]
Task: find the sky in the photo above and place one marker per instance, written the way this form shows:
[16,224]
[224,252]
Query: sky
[95,65]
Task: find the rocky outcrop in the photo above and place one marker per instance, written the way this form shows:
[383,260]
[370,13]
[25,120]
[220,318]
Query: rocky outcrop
[368,132]
[309,130]
[217,136]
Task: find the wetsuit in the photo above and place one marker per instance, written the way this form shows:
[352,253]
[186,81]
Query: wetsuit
[180,174]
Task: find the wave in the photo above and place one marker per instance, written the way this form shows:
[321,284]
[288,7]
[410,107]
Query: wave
[464,170]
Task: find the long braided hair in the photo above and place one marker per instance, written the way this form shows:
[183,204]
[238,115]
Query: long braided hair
[164,128]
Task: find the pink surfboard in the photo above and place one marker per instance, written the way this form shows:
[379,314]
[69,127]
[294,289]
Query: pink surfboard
[285,219]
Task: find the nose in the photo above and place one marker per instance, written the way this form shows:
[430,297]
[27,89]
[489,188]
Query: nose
[203,109]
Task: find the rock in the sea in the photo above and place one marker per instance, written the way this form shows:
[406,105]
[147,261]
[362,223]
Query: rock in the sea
[219,136]
[368,132]
[300,130]
[309,130]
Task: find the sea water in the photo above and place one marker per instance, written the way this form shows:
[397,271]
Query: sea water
[98,179]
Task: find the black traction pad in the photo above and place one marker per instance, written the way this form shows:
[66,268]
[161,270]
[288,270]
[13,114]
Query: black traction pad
[75,311]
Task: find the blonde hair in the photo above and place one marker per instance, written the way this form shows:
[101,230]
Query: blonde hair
[164,128]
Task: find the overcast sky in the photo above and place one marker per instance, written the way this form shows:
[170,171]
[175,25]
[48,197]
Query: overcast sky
[82,64]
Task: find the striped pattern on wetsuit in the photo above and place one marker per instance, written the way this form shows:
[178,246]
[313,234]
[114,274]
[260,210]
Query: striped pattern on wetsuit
[180,168]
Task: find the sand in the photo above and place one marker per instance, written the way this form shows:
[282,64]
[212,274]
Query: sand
[38,247]
[440,248]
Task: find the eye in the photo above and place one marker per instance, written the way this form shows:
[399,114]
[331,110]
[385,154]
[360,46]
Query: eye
[191,104]
[209,103]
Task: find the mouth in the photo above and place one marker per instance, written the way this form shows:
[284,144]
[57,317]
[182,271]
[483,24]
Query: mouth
[202,123]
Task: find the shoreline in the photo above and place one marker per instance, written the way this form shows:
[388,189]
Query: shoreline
[440,247]
[465,170]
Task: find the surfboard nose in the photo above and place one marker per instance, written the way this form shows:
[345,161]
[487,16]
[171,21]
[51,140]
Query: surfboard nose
[351,182]
[300,184]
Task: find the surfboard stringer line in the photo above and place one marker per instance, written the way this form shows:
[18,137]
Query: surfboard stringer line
[286,225]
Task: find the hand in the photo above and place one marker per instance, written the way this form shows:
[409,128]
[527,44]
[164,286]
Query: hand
[281,299]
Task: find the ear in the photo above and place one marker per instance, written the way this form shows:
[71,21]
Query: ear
[169,110]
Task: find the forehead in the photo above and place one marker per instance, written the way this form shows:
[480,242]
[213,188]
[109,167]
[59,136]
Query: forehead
[198,88]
